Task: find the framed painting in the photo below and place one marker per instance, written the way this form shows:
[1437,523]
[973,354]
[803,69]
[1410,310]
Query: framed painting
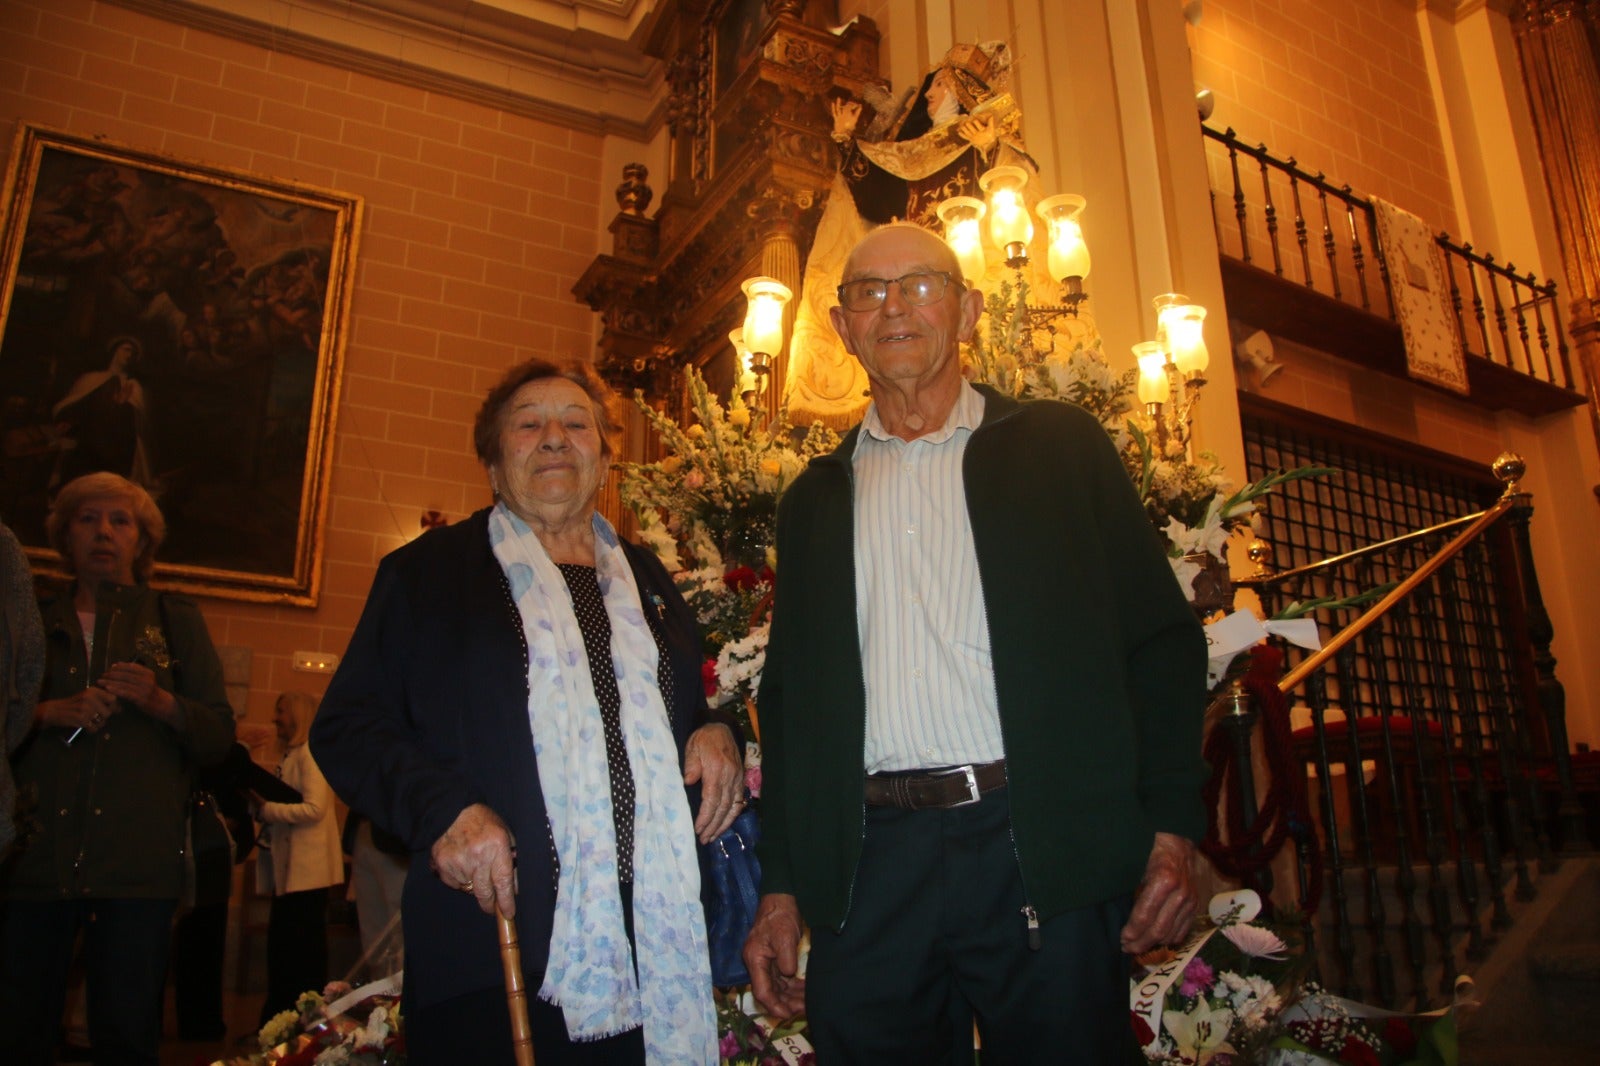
[182,325]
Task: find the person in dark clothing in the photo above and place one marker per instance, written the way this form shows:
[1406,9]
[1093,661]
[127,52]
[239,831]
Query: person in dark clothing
[199,938]
[520,703]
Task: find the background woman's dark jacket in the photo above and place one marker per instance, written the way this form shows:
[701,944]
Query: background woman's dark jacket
[428,714]
[116,797]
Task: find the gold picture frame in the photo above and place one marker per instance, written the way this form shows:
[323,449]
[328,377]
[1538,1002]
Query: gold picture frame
[184,325]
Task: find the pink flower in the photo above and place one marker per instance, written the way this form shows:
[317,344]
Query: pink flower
[752,780]
[1256,942]
[728,1046]
[1198,977]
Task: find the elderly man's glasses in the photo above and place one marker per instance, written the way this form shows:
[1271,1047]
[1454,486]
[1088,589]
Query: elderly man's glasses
[919,289]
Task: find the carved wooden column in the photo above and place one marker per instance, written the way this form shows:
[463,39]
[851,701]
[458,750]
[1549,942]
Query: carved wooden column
[777,216]
[1559,45]
[751,158]
[630,355]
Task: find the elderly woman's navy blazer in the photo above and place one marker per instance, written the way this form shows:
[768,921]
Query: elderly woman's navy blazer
[428,714]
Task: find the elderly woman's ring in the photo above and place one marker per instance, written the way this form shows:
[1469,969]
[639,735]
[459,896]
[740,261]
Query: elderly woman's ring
[466,886]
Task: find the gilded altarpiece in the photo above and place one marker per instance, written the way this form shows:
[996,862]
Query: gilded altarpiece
[751,157]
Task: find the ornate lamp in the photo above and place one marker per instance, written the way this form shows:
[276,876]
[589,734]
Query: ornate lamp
[1180,330]
[1069,255]
[962,216]
[1009,224]
[763,325]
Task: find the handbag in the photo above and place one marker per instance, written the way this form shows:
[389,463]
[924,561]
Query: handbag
[735,877]
[208,851]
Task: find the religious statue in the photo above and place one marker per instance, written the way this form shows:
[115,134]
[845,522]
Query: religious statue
[907,159]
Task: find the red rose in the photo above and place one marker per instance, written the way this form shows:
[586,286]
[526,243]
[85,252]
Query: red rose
[1399,1035]
[708,677]
[1141,1029]
[740,578]
[1357,1052]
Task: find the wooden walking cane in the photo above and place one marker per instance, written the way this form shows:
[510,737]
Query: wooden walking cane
[516,995]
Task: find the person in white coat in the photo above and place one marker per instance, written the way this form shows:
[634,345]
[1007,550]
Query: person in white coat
[299,859]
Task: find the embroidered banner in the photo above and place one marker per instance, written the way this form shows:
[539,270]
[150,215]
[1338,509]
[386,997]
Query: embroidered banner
[1421,298]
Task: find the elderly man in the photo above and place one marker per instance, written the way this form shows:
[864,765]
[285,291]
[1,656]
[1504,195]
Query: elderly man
[982,708]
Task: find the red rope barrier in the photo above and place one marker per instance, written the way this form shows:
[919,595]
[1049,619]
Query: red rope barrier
[1245,851]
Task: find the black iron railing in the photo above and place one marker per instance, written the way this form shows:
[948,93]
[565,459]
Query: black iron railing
[1506,318]
[1432,728]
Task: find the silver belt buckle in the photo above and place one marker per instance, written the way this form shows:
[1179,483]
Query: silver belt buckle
[973,795]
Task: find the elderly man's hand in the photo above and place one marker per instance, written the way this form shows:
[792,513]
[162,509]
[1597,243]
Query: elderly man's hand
[1164,907]
[772,955]
[477,855]
[712,758]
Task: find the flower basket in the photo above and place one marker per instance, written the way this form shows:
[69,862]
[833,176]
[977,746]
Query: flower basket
[1215,999]
[359,1027]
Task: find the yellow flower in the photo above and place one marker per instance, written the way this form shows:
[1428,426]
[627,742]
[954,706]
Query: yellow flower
[696,432]
[671,464]
[739,416]
[771,467]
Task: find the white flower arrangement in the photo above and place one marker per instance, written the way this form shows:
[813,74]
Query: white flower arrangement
[707,510]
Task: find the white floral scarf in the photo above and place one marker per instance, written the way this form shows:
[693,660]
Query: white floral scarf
[590,973]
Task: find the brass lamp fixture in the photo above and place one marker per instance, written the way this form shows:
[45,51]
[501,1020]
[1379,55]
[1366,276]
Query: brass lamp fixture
[762,334]
[1178,356]
[1069,255]
[1009,223]
[1005,211]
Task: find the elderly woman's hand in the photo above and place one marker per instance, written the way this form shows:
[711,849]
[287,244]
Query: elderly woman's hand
[477,855]
[136,683]
[87,710]
[712,758]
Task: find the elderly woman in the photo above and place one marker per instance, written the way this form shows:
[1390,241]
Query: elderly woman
[521,704]
[299,859]
[132,703]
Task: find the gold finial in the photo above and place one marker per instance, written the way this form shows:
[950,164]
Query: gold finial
[1260,553]
[1509,467]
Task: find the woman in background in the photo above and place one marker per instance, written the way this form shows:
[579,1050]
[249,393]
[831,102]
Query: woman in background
[132,705]
[300,857]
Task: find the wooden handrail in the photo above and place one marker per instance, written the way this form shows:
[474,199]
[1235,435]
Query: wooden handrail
[1305,669]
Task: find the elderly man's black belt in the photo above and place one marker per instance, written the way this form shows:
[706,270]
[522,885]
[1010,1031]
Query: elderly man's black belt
[954,786]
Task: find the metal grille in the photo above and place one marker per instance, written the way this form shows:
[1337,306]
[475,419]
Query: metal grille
[1429,696]
[1441,655]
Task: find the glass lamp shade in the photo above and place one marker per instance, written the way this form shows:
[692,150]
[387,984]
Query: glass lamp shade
[1186,338]
[1164,305]
[1069,255]
[763,317]
[1153,385]
[962,217]
[741,354]
[1009,222]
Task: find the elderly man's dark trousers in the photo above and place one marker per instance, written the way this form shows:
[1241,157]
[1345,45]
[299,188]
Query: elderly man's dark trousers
[936,934]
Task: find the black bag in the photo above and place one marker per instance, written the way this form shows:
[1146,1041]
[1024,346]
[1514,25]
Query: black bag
[207,852]
[735,881]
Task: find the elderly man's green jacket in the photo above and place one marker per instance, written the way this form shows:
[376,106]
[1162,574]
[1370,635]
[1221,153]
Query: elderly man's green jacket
[1099,668]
